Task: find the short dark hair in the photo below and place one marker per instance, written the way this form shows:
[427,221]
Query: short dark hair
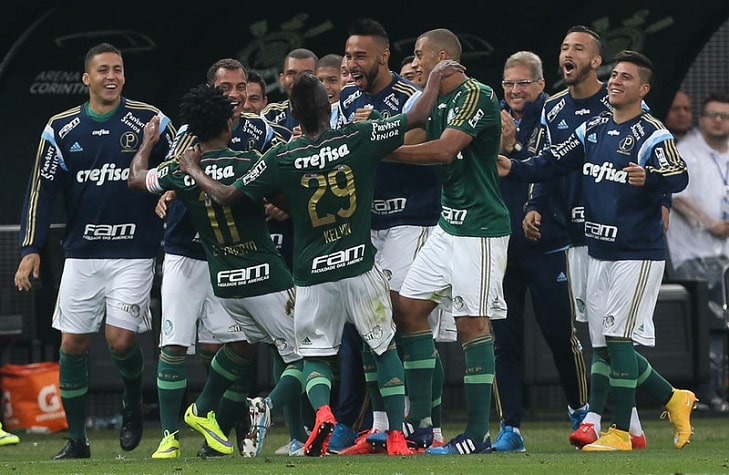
[330,61]
[407,60]
[645,65]
[255,76]
[715,97]
[369,27]
[225,63]
[586,29]
[444,39]
[309,100]
[301,53]
[206,111]
[101,48]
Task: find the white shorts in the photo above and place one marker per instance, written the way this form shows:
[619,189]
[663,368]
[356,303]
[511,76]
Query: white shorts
[267,318]
[396,249]
[577,277]
[468,271]
[93,288]
[187,298]
[443,324]
[322,309]
[623,296]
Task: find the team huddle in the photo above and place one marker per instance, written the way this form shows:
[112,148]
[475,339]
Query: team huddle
[352,227]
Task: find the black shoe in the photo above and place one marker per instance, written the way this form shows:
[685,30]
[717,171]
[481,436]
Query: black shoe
[132,427]
[241,431]
[207,451]
[74,449]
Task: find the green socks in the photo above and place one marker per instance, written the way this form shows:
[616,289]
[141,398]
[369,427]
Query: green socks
[478,379]
[171,385]
[73,385]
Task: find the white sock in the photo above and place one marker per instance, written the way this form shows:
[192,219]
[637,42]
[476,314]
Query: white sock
[407,406]
[438,434]
[582,408]
[594,419]
[635,427]
[380,421]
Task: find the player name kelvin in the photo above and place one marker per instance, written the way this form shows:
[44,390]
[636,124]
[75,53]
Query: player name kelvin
[331,235]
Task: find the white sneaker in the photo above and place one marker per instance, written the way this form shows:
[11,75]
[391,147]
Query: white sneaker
[259,412]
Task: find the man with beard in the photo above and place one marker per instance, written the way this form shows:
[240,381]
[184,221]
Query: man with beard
[586,96]
[406,203]
[538,267]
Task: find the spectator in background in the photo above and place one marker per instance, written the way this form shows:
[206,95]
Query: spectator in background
[697,238]
[680,119]
[346,75]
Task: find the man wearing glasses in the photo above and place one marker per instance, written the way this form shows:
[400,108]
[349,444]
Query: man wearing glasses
[697,238]
[538,266]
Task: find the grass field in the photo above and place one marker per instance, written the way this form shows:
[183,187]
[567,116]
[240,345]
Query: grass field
[548,452]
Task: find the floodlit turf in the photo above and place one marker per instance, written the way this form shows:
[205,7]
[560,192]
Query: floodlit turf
[548,452]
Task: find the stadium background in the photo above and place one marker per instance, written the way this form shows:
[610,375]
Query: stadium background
[168,47]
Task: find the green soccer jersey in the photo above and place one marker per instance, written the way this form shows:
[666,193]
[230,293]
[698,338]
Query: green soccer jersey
[242,258]
[328,184]
[471,200]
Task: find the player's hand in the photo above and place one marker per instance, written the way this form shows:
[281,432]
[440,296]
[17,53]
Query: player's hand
[163,203]
[295,132]
[190,159]
[29,265]
[719,228]
[503,165]
[636,174]
[508,131]
[531,223]
[445,68]
[151,131]
[273,212]
[362,113]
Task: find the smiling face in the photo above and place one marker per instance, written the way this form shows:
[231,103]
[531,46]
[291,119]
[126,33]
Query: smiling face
[256,98]
[233,83]
[331,77]
[625,86]
[520,87]
[367,58]
[104,77]
[411,74]
[427,56]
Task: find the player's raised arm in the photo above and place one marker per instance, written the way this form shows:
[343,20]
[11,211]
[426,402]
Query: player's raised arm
[418,115]
[140,163]
[222,194]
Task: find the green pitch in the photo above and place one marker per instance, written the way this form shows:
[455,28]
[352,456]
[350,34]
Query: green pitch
[548,452]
